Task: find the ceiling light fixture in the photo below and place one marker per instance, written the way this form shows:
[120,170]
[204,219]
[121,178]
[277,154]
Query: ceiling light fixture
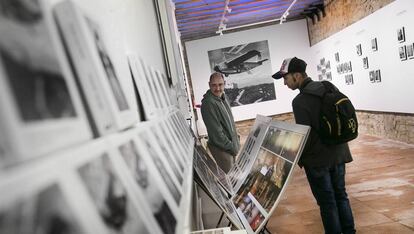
[222,26]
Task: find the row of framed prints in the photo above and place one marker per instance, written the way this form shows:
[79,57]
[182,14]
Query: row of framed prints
[275,150]
[137,181]
[62,84]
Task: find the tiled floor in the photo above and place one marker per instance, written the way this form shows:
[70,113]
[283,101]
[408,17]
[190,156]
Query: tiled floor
[380,185]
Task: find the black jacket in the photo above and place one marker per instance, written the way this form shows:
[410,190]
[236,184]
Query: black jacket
[306,108]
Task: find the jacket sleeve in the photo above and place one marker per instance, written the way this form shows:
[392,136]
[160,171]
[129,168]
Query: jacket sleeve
[214,129]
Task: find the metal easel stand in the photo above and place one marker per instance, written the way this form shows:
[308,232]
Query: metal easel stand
[265,230]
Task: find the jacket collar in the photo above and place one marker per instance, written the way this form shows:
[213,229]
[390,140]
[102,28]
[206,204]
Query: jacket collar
[304,83]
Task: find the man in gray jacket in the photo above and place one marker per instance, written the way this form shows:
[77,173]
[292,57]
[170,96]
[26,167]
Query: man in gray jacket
[324,164]
[223,140]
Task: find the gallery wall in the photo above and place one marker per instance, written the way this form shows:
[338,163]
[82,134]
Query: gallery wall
[285,40]
[393,92]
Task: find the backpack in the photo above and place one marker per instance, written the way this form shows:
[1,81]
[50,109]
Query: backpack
[338,121]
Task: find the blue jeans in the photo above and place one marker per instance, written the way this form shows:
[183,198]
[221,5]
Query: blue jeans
[328,188]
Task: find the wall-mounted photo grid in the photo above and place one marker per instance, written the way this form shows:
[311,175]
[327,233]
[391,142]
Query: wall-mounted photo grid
[38,95]
[266,181]
[107,88]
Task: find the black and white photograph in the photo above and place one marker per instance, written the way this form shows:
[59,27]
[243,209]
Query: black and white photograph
[372,76]
[110,197]
[38,91]
[247,72]
[359,49]
[46,212]
[349,79]
[107,64]
[337,57]
[365,62]
[403,53]
[31,65]
[401,35]
[144,178]
[172,186]
[170,160]
[374,45]
[378,75]
[410,50]
[328,76]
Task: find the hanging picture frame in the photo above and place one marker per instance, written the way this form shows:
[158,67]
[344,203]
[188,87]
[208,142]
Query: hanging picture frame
[374,45]
[403,53]
[401,35]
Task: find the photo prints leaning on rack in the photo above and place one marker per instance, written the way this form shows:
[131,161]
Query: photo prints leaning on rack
[223,141]
[324,163]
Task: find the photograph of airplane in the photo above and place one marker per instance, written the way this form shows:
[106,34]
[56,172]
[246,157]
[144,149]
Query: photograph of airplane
[240,64]
[247,72]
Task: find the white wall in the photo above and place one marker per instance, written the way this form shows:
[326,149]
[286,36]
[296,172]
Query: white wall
[394,93]
[129,26]
[286,40]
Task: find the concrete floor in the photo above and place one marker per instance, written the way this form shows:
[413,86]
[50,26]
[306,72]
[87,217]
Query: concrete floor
[380,185]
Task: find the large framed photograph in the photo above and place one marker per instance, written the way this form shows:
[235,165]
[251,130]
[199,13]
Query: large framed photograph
[401,35]
[40,107]
[107,87]
[247,71]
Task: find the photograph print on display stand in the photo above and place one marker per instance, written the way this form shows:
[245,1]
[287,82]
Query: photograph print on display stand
[110,196]
[172,184]
[401,34]
[45,212]
[38,92]
[145,179]
[247,70]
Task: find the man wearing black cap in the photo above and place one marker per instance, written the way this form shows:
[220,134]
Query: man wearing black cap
[324,164]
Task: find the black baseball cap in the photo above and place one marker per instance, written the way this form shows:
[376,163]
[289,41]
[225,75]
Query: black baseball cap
[290,65]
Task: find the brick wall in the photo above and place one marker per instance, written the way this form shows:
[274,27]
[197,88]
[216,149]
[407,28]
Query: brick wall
[395,126]
[339,14]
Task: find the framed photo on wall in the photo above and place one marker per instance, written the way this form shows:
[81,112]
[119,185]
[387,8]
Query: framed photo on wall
[401,35]
[337,57]
[374,45]
[378,76]
[410,49]
[365,62]
[403,53]
[372,76]
[359,49]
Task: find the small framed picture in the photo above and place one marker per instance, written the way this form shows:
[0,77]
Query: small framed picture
[359,49]
[374,45]
[378,76]
[372,76]
[320,77]
[365,62]
[349,66]
[401,34]
[329,76]
[318,67]
[328,65]
[337,57]
[410,50]
[403,53]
